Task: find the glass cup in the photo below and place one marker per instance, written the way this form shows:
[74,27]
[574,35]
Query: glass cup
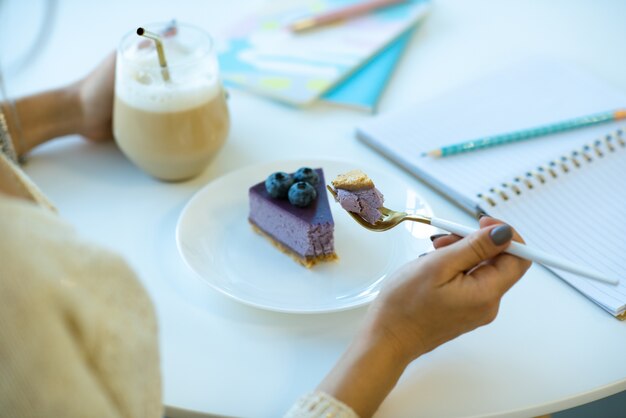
[169,123]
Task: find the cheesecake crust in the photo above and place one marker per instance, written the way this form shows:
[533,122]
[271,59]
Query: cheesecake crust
[353,180]
[306,261]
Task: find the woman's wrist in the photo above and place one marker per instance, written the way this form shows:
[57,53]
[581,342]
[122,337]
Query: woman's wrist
[44,116]
[366,372]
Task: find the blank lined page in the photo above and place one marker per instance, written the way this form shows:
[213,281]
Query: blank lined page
[581,216]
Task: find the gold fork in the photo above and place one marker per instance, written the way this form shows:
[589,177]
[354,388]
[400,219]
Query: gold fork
[391,218]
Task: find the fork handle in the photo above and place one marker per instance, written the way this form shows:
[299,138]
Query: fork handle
[523,251]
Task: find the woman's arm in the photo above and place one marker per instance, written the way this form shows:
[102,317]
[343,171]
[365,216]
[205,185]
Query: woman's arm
[424,304]
[43,116]
[84,108]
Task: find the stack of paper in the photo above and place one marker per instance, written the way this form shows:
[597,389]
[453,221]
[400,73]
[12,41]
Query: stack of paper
[347,63]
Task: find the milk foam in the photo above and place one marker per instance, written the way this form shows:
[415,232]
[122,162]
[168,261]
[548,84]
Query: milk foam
[193,78]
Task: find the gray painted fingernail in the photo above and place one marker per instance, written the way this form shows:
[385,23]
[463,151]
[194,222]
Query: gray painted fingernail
[501,234]
[434,237]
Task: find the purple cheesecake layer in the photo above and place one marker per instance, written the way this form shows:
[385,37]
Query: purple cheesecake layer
[365,202]
[306,231]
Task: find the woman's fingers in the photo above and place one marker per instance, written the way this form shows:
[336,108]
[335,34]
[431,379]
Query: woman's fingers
[443,240]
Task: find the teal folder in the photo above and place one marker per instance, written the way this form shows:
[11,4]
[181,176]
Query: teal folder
[364,88]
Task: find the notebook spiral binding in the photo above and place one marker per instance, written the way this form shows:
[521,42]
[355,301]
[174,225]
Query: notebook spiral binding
[555,168]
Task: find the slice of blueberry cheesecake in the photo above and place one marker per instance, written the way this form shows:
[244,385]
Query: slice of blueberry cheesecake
[292,211]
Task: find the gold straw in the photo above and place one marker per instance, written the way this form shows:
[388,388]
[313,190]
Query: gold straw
[159,47]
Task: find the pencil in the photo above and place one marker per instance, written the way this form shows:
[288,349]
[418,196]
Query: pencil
[348,12]
[490,141]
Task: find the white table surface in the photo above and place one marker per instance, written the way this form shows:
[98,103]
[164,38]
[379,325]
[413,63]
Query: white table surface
[549,349]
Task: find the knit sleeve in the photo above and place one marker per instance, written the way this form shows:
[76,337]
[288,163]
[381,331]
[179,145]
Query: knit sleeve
[320,405]
[78,333]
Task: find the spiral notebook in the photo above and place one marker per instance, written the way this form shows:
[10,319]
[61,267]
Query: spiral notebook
[565,193]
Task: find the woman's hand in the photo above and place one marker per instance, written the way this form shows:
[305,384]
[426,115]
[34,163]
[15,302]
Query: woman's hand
[84,108]
[95,96]
[427,302]
[450,291]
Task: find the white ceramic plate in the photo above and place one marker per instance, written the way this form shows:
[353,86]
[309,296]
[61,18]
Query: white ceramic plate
[217,242]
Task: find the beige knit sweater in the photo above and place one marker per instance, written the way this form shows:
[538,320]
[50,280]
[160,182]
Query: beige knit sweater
[78,335]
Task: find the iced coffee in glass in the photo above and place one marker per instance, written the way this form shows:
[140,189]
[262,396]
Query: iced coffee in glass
[169,121]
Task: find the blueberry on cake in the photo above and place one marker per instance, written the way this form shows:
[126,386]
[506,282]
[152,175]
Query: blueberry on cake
[292,211]
[356,193]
